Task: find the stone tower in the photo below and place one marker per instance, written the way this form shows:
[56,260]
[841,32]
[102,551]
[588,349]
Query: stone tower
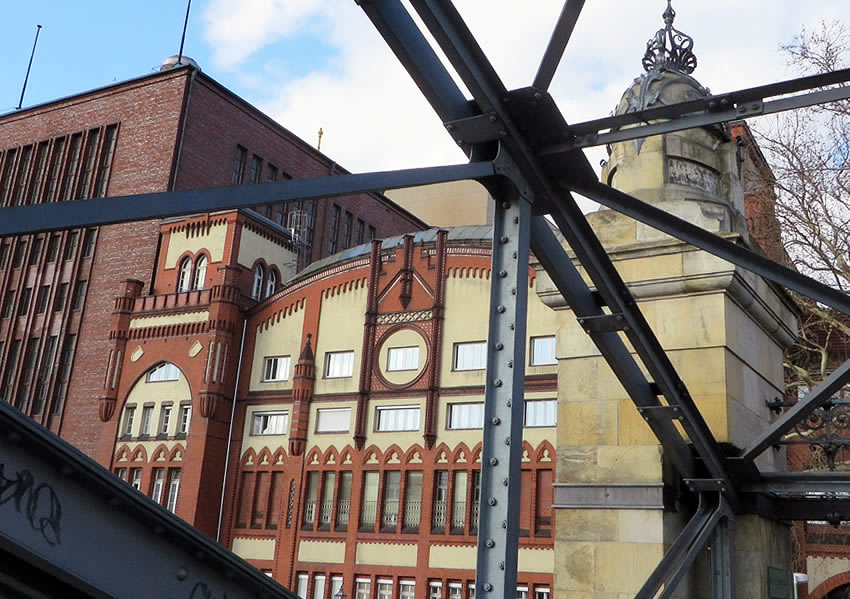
[619,506]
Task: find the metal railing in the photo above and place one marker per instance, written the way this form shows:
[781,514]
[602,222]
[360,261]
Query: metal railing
[309,511]
[458,514]
[389,517]
[369,514]
[438,517]
[412,514]
[343,511]
[326,512]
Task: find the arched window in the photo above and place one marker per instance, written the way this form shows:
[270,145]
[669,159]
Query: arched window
[257,288]
[271,283]
[200,272]
[184,277]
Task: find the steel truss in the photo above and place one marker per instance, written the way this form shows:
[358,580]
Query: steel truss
[523,151]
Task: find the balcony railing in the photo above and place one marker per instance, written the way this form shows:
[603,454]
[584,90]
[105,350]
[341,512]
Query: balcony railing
[389,518]
[438,519]
[458,514]
[309,511]
[343,510]
[476,512]
[326,512]
[369,514]
[412,514]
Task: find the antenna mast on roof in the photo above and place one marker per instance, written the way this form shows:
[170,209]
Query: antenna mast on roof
[29,66]
[183,37]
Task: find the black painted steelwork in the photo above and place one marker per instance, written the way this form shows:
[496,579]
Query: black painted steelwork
[522,149]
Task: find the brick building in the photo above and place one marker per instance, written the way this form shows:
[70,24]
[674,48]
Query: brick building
[174,129]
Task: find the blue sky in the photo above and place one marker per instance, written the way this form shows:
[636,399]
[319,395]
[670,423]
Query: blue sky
[320,63]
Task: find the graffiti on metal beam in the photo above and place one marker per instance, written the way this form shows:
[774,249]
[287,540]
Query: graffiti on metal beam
[37,502]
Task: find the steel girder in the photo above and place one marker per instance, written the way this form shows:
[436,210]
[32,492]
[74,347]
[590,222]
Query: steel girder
[508,135]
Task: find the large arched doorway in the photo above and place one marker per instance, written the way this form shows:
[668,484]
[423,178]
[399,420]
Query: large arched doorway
[842,592]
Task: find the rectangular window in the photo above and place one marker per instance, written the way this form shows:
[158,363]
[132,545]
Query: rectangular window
[385,589]
[372,233]
[88,243]
[455,590]
[238,165]
[459,501]
[158,484]
[319,587]
[327,508]
[441,496]
[106,161]
[11,364]
[301,585]
[276,368]
[121,473]
[333,420]
[522,593]
[412,501]
[363,589]
[35,254]
[541,412]
[336,586]
[541,593]
[71,247]
[53,248]
[136,478]
[256,167]
[435,590]
[164,420]
[9,303]
[466,415]
[343,503]
[88,163]
[41,299]
[403,358]
[470,356]
[20,252]
[346,229]
[334,229]
[79,295]
[185,419]
[147,421]
[361,231]
[44,372]
[311,500]
[24,304]
[129,416]
[71,170]
[269,423]
[369,508]
[543,351]
[392,495]
[61,297]
[6,180]
[38,174]
[397,418]
[272,174]
[173,490]
[55,170]
[339,364]
[4,256]
[407,589]
[66,361]
[23,170]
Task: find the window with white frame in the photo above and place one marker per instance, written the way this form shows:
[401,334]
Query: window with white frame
[541,593]
[185,419]
[435,590]
[336,585]
[339,364]
[543,351]
[363,589]
[129,417]
[466,415]
[403,358]
[522,593]
[164,372]
[397,418]
[269,423]
[455,590]
[541,412]
[301,585]
[319,586]
[158,484]
[407,589]
[271,283]
[470,356]
[276,368]
[257,287]
[147,420]
[385,588]
[136,478]
[164,420]
[200,272]
[173,490]
[184,276]
[333,420]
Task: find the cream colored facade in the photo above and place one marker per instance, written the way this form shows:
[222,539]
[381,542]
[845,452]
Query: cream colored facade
[453,204]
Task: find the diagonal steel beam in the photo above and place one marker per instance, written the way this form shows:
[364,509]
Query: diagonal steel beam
[579,297]
[714,244]
[557,43]
[701,119]
[788,483]
[117,209]
[818,396]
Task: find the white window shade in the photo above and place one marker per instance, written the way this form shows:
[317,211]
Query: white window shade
[399,418]
[339,364]
[541,412]
[543,351]
[470,356]
[269,423]
[466,415]
[276,368]
[333,420]
[403,358]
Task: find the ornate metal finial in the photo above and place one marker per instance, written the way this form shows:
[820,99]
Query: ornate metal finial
[670,49]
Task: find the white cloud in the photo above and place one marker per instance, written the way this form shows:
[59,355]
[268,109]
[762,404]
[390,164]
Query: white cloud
[374,118]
